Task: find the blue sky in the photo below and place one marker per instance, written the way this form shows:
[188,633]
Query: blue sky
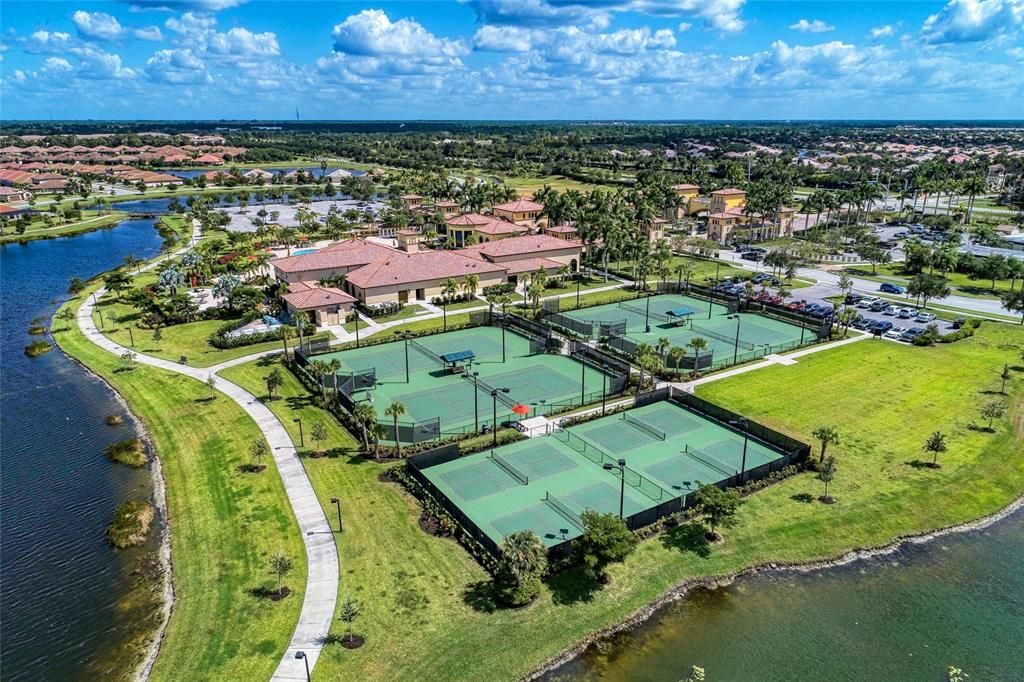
[512,59]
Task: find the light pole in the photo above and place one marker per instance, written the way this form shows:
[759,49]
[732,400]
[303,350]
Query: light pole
[583,384]
[736,343]
[357,329]
[647,315]
[579,282]
[746,436]
[604,387]
[711,295]
[503,323]
[337,503]
[302,655]
[444,313]
[494,424]
[131,336]
[476,404]
[302,439]
[622,483]
[404,335]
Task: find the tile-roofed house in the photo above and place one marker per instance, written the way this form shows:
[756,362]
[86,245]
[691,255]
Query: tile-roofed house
[328,305]
[483,228]
[337,259]
[561,231]
[529,246]
[419,275]
[522,211]
[209,160]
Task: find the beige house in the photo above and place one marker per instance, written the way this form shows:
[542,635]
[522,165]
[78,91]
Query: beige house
[337,259]
[324,305]
[481,228]
[419,275]
[521,211]
[411,201]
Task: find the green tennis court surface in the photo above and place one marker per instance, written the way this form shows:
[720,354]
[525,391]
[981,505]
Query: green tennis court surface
[543,382]
[544,484]
[758,334]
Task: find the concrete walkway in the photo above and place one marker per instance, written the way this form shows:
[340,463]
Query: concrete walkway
[321,553]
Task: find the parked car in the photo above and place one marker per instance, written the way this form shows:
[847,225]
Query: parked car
[880,327]
[862,323]
[894,333]
[909,335]
[906,313]
[765,278]
[879,305]
[866,301]
[959,322]
[890,288]
[925,316]
[890,310]
[752,256]
[796,305]
[853,299]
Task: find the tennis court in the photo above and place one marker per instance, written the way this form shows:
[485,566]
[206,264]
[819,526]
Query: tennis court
[544,484]
[463,402]
[679,318]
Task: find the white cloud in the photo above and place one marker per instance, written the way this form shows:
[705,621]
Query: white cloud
[372,34]
[571,44]
[200,5]
[684,27]
[966,21]
[504,38]
[241,42]
[885,31]
[95,64]
[148,33]
[719,15]
[816,26]
[191,23]
[47,42]
[97,25]
[57,65]
[178,66]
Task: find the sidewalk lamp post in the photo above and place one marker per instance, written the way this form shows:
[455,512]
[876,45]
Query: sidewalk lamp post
[742,421]
[337,503]
[621,465]
[405,335]
[736,343]
[476,404]
[131,335]
[647,314]
[604,387]
[494,424]
[302,655]
[302,439]
[579,283]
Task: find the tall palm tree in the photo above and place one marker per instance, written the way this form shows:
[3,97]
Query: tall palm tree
[366,416]
[471,283]
[697,344]
[450,287]
[396,410]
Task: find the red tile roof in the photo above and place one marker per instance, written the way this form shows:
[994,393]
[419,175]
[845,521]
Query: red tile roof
[517,267]
[467,219]
[683,187]
[424,266]
[305,296]
[562,229]
[350,253]
[515,246]
[519,206]
[728,191]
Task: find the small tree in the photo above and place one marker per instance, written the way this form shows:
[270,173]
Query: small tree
[65,316]
[128,358]
[992,411]
[259,449]
[319,434]
[605,540]
[274,381]
[935,444]
[523,562]
[76,285]
[280,566]
[396,410]
[826,435]
[350,612]
[827,472]
[211,381]
[1004,376]
[157,334]
[719,506]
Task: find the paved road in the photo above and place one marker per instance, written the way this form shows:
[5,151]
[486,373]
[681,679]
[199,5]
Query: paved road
[321,553]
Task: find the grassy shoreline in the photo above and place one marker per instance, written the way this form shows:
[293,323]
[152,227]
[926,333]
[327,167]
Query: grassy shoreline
[224,524]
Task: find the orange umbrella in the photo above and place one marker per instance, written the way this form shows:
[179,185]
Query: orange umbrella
[521,409]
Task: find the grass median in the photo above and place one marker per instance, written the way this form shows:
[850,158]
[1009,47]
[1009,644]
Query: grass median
[224,524]
[428,597]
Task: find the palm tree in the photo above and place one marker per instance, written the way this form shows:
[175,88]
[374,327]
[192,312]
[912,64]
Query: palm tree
[684,271]
[524,555]
[973,186]
[676,355]
[366,417]
[450,287]
[826,435]
[697,344]
[396,410]
[470,284]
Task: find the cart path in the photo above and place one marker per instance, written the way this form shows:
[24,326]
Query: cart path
[317,535]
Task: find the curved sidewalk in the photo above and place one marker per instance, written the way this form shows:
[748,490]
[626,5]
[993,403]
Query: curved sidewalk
[317,534]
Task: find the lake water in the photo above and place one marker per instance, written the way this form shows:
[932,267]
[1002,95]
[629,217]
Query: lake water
[958,600]
[315,170]
[68,601]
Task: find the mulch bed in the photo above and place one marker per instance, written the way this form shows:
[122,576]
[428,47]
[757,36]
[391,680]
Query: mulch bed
[354,642]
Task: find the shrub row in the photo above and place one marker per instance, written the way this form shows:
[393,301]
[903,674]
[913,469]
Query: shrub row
[498,289]
[454,298]
[380,309]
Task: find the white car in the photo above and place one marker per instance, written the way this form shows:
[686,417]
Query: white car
[925,317]
[894,333]
[906,313]
[891,310]
[867,301]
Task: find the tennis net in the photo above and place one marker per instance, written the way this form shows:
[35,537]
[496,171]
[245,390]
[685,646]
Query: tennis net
[511,470]
[643,311]
[426,351]
[644,426]
[564,511]
[708,460]
[721,337]
[487,388]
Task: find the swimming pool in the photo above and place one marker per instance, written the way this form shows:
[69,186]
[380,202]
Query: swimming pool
[302,252]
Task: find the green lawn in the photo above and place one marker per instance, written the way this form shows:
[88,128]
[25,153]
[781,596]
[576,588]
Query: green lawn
[960,283]
[428,595]
[225,525]
[91,220]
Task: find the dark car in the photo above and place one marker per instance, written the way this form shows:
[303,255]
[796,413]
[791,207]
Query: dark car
[880,327]
[911,334]
[853,299]
[752,256]
[862,323]
[958,322]
[890,288]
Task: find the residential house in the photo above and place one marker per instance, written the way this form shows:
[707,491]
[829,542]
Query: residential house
[523,212]
[324,305]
